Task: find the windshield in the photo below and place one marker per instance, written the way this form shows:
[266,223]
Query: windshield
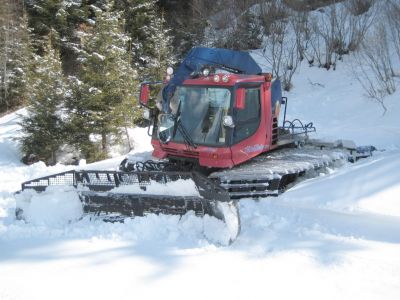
[201,110]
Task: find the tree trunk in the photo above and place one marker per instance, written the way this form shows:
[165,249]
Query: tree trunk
[128,138]
[104,143]
[53,160]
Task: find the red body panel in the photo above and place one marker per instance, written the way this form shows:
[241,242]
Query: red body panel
[207,156]
[226,157]
[260,141]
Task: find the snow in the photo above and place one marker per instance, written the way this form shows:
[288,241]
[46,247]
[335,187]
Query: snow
[338,107]
[57,206]
[332,237]
[368,186]
[99,56]
[179,187]
[94,90]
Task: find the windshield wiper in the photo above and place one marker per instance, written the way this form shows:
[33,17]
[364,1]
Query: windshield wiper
[186,136]
[183,131]
[176,119]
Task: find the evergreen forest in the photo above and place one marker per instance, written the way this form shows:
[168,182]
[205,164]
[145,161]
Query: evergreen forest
[76,65]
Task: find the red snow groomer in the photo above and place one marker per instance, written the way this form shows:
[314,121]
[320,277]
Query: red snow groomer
[214,124]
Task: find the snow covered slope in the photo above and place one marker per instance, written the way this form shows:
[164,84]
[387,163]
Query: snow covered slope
[335,102]
[332,237]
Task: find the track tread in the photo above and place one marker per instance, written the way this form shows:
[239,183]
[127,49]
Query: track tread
[271,173]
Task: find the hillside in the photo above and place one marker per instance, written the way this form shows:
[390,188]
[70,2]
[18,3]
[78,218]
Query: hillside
[335,236]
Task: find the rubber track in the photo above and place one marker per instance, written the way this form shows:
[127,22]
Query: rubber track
[272,173]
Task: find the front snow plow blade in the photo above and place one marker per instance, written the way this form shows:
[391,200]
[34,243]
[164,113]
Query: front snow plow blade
[115,195]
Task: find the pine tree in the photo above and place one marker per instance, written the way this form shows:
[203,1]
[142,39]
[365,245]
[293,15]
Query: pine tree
[248,32]
[105,88]
[187,21]
[163,53]
[15,57]
[151,41]
[63,17]
[43,126]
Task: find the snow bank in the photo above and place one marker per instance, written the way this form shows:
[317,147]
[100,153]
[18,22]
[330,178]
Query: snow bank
[370,185]
[386,202]
[64,221]
[139,140]
[57,206]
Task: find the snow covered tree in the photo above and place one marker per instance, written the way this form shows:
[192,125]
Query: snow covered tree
[105,84]
[15,56]
[187,21]
[62,17]
[162,52]
[43,125]
[150,39]
[247,33]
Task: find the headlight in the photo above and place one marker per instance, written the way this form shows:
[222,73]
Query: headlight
[146,114]
[206,72]
[228,122]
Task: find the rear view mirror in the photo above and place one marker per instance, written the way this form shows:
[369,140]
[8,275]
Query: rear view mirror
[144,94]
[166,127]
[240,98]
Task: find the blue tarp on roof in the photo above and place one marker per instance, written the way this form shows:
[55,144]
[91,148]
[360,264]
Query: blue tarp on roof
[199,57]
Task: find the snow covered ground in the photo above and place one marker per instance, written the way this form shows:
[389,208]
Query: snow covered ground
[332,237]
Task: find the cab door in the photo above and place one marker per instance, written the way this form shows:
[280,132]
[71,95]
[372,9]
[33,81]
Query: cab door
[250,135]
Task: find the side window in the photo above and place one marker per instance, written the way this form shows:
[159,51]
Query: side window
[248,119]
